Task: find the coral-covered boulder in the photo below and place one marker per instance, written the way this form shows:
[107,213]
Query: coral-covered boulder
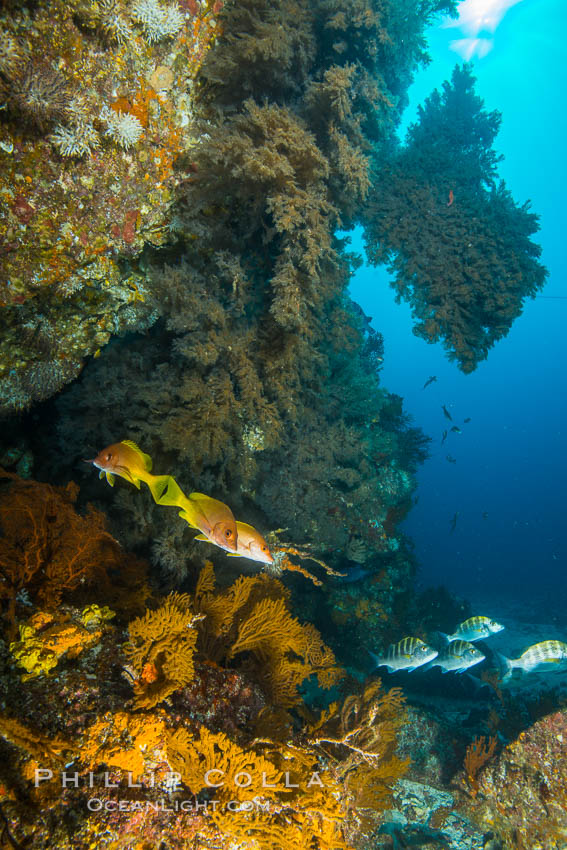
[523,794]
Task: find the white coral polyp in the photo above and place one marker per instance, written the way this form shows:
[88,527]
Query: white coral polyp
[123,128]
[77,139]
[157,21]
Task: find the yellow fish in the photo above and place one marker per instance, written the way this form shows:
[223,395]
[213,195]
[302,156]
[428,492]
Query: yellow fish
[166,490]
[126,460]
[212,517]
[251,544]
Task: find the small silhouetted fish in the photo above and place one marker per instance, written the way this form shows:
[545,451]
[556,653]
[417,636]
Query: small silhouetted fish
[460,655]
[454,522]
[456,430]
[475,628]
[468,419]
[444,437]
[430,380]
[407,654]
[446,412]
[548,656]
[450,459]
[485,514]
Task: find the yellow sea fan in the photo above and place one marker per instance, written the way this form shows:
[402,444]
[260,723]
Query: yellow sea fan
[45,750]
[253,616]
[269,628]
[164,641]
[288,651]
[213,759]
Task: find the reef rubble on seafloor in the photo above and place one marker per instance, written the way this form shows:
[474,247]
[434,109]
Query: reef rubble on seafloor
[175,175]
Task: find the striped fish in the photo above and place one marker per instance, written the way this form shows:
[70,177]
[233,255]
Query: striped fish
[407,654]
[459,656]
[548,656]
[475,628]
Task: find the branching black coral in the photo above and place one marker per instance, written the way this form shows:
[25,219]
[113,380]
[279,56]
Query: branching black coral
[264,176]
[268,51]
[458,244]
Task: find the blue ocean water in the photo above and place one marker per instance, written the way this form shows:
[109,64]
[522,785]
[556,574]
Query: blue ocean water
[508,483]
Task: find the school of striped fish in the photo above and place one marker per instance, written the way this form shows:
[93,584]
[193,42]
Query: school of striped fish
[461,654]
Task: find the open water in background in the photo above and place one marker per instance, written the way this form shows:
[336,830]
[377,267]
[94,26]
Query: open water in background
[511,458]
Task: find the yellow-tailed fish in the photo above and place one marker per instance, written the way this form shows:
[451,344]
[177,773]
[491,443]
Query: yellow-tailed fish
[126,460]
[251,544]
[212,517]
[166,490]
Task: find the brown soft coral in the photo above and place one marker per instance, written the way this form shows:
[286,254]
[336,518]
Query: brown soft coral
[49,551]
[47,547]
